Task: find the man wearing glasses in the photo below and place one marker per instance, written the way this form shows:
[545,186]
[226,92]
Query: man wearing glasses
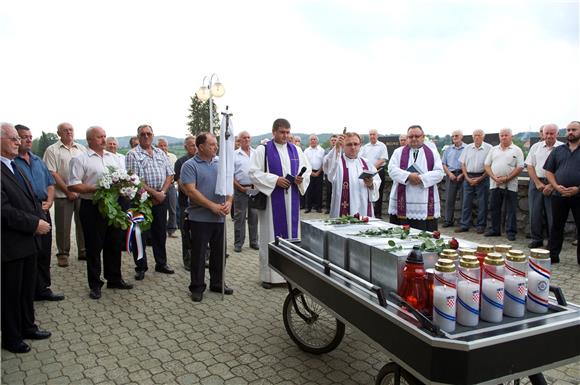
[452,169]
[152,166]
[415,170]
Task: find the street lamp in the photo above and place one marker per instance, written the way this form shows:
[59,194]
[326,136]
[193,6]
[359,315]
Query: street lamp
[207,92]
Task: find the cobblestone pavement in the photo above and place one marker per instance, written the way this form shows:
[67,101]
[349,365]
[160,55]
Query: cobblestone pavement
[154,334]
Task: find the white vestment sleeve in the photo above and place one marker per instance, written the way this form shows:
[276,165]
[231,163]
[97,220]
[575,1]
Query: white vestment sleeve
[306,176]
[397,174]
[331,163]
[263,181]
[431,178]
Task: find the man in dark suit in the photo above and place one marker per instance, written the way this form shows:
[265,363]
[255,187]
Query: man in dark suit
[22,222]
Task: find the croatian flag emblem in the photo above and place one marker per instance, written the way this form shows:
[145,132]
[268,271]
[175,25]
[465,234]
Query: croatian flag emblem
[499,294]
[475,296]
[450,302]
[522,289]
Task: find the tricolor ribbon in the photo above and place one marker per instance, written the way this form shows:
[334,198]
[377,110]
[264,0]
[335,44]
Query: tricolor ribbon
[514,270]
[492,274]
[468,277]
[135,219]
[540,270]
[444,282]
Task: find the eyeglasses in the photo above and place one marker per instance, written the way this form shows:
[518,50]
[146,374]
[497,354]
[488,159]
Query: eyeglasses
[352,144]
[146,134]
[414,136]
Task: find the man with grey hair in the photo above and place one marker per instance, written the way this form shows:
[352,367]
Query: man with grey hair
[540,190]
[503,164]
[476,182]
[454,175]
[403,140]
[85,171]
[112,146]
[171,192]
[57,158]
[376,153]
[315,155]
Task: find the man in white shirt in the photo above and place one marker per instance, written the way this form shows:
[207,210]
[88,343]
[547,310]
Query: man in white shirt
[112,146]
[315,155]
[343,165]
[540,190]
[454,180]
[503,164]
[415,170]
[476,182]
[85,171]
[243,183]
[281,217]
[377,154]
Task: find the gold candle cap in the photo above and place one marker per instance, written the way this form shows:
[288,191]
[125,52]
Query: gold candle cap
[469,261]
[463,252]
[502,248]
[539,253]
[516,256]
[445,265]
[494,259]
[485,248]
[449,254]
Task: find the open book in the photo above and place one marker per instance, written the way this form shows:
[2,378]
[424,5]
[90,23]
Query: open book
[415,168]
[366,174]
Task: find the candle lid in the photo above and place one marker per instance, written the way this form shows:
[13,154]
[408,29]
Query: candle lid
[445,265]
[466,251]
[485,248]
[539,253]
[502,248]
[449,254]
[494,259]
[469,261]
[515,256]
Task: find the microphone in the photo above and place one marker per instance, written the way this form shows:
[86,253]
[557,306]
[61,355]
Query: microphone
[302,171]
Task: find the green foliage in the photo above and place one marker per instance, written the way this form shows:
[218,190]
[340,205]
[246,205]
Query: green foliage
[198,118]
[40,144]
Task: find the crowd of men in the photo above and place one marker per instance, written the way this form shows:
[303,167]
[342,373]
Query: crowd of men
[183,196]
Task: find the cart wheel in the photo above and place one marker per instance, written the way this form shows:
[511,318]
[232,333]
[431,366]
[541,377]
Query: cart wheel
[311,326]
[387,376]
[535,379]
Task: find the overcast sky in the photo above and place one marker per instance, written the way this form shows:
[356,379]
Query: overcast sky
[322,65]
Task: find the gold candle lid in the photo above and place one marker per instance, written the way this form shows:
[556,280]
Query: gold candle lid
[463,252]
[445,265]
[485,248]
[469,261]
[516,256]
[502,248]
[540,253]
[494,259]
[449,254]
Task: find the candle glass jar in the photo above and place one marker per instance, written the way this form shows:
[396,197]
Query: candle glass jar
[468,291]
[538,281]
[413,287]
[515,284]
[445,295]
[492,288]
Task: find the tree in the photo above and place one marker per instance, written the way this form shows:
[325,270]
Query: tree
[198,118]
[40,145]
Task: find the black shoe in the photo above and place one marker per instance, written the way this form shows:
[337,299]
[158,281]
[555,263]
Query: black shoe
[20,347]
[447,224]
[511,237]
[307,211]
[37,335]
[95,293]
[164,269]
[480,230]
[255,247]
[491,234]
[50,296]
[139,275]
[196,296]
[267,285]
[82,258]
[535,244]
[461,230]
[119,285]
[238,249]
[227,290]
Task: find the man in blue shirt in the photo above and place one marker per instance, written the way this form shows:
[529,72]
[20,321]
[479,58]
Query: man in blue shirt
[43,186]
[206,213]
[454,175]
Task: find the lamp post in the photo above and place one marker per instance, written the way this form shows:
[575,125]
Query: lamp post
[209,91]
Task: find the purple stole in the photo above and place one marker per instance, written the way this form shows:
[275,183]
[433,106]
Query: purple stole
[402,189]
[345,193]
[279,215]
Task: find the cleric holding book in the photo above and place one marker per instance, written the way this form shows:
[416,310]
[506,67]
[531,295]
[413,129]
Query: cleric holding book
[280,170]
[344,166]
[415,170]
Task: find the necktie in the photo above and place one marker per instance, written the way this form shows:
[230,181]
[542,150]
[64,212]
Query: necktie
[18,175]
[415,153]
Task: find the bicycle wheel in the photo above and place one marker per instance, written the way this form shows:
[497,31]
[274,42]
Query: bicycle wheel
[388,373]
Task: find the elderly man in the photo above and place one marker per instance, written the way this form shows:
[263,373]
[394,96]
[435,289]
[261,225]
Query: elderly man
[562,172]
[270,166]
[344,165]
[476,182]
[171,191]
[377,154]
[242,183]
[415,170]
[454,180]
[57,158]
[327,183]
[85,171]
[503,164]
[315,155]
[191,150]
[540,190]
[133,142]
[206,216]
[22,222]
[153,167]
[43,185]
[403,140]
[112,145]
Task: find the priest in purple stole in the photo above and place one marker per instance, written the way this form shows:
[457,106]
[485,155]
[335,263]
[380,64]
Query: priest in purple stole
[282,214]
[415,170]
[343,166]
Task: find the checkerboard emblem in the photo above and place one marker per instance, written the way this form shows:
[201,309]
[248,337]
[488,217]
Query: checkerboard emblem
[450,302]
[499,294]
[475,296]
[522,289]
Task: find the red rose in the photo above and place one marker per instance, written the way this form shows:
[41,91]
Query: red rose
[357,216]
[365,219]
[406,227]
[454,244]
[436,234]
